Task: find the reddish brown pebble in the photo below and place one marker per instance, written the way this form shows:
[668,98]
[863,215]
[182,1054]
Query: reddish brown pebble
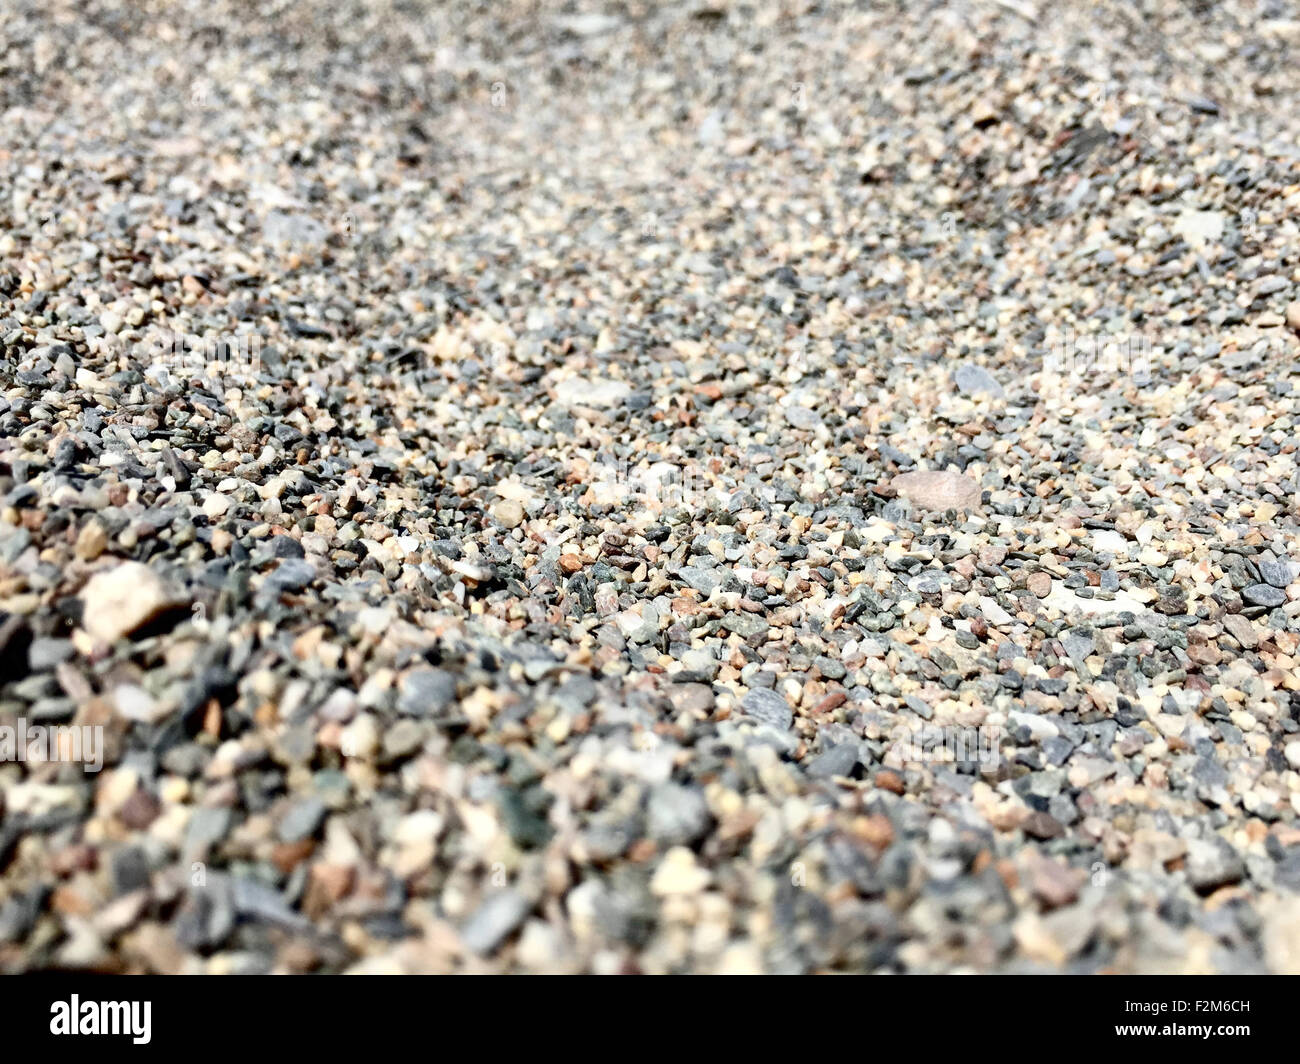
[831,701]
[286,856]
[1053,884]
[875,830]
[888,780]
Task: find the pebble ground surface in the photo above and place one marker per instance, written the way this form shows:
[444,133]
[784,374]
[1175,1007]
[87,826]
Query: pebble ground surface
[600,438]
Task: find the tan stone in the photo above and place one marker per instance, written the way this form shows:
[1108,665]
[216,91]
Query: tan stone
[509,512]
[91,541]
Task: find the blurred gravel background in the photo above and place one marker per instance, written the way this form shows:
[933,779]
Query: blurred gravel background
[525,487]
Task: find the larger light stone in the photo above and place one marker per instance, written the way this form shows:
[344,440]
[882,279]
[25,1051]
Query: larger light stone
[931,489]
[120,600]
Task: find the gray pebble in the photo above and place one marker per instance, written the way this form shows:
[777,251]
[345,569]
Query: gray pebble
[494,920]
[768,707]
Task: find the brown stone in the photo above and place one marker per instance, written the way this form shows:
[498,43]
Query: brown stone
[1040,825]
[1052,883]
[889,780]
[140,810]
[286,856]
[832,700]
[875,830]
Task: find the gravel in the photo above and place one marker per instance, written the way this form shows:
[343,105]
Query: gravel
[700,489]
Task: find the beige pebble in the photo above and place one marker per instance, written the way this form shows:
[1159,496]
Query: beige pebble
[91,541]
[509,512]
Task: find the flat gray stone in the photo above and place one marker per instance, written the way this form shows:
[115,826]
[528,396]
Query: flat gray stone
[800,417]
[427,692]
[1264,595]
[302,820]
[493,921]
[292,574]
[837,761]
[1212,863]
[676,815]
[705,581]
[768,707]
[1278,574]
